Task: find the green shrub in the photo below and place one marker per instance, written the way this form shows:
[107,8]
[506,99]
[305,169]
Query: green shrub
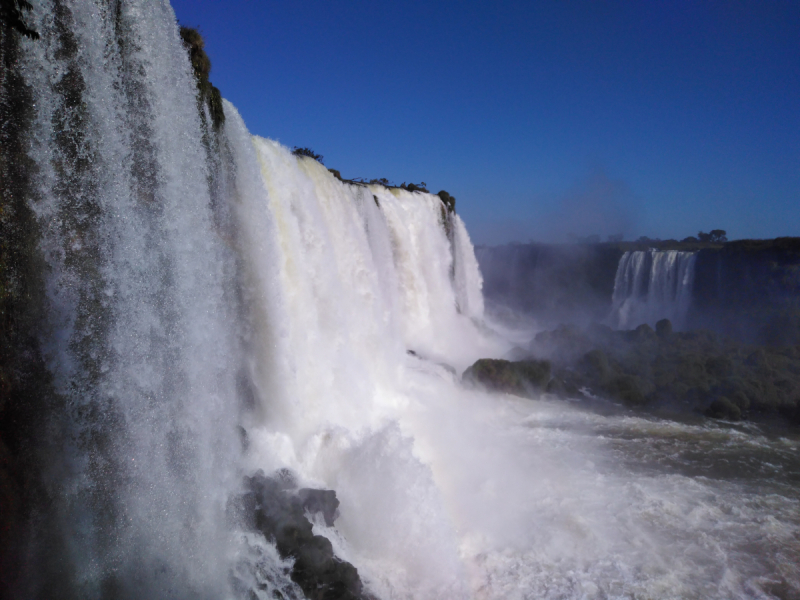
[414,187]
[643,333]
[449,201]
[297,151]
[630,389]
[719,366]
[596,366]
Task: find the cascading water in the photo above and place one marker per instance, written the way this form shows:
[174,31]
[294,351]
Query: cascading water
[217,306]
[141,338]
[652,285]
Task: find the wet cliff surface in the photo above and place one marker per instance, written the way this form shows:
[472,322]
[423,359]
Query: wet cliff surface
[750,289]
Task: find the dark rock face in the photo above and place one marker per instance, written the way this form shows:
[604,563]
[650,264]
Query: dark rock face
[320,501]
[275,507]
[26,395]
[750,289]
[521,377]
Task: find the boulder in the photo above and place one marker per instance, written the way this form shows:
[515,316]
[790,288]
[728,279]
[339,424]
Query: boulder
[320,501]
[630,389]
[274,507]
[520,377]
[664,329]
[723,408]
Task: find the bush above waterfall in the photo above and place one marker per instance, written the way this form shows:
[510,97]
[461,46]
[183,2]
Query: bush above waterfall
[449,201]
[201,66]
[715,236]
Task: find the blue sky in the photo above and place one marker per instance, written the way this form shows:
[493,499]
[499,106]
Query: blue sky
[543,119]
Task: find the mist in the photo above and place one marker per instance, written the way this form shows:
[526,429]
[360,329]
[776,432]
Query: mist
[596,205]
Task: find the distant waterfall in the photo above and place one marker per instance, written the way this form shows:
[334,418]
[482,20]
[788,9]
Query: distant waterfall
[652,285]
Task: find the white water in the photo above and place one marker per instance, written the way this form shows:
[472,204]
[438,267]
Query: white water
[286,303]
[142,334]
[652,285]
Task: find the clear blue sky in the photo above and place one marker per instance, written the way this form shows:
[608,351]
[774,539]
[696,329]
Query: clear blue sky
[655,118]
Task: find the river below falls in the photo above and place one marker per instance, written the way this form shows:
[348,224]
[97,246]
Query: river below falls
[622,505]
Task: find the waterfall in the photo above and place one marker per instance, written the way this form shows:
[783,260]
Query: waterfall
[343,281]
[141,336]
[200,305]
[652,285]
[202,288]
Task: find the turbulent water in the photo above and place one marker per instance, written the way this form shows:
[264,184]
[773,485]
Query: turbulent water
[652,285]
[217,306]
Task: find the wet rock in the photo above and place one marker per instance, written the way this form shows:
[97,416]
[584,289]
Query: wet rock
[522,377]
[274,506]
[664,329]
[320,501]
[723,408]
[629,389]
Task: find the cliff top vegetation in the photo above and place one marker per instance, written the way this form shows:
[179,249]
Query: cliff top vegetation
[448,200]
[201,65]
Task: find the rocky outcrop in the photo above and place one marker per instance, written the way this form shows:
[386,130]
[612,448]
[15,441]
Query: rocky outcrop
[521,377]
[695,370]
[276,508]
[207,93]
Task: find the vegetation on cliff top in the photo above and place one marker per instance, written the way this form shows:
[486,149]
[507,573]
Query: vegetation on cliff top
[448,201]
[297,151]
[201,65]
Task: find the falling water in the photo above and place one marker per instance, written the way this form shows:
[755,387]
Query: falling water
[652,285]
[219,307]
[141,337]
